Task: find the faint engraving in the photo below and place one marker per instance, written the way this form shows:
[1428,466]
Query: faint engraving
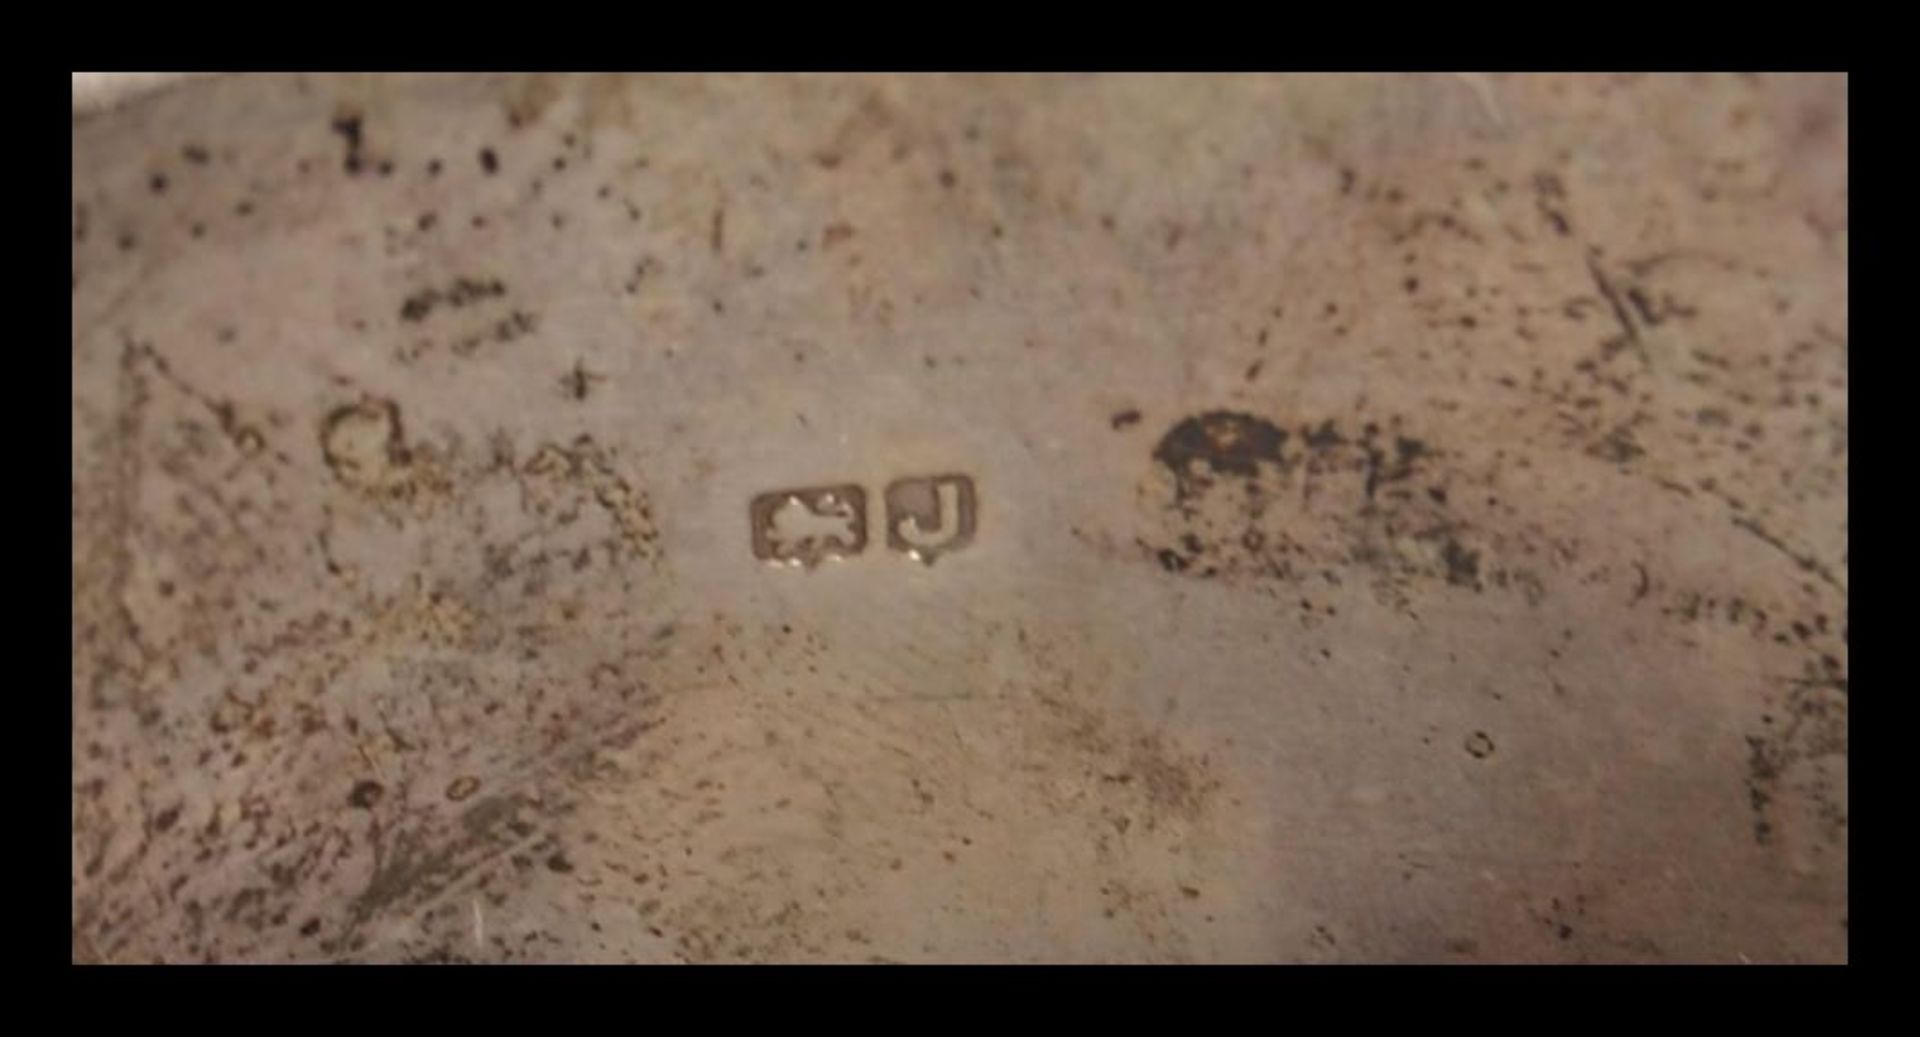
[930,516]
[805,527]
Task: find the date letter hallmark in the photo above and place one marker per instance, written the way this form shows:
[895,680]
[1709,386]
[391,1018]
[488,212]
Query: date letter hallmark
[931,516]
[806,527]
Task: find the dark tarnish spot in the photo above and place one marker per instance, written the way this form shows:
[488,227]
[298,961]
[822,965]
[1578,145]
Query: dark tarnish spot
[464,291]
[366,794]
[1618,446]
[1225,441]
[1405,453]
[1325,437]
[440,956]
[347,125]
[1463,566]
[1368,499]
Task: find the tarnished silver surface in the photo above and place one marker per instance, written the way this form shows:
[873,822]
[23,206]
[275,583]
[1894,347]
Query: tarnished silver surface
[1298,519]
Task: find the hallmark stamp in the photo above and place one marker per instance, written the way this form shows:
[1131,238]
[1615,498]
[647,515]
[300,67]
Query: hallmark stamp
[930,516]
[805,527]
[926,517]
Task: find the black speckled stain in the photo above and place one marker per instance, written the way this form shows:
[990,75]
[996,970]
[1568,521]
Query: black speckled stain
[1228,442]
[347,124]
[1380,470]
[463,291]
[1463,566]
